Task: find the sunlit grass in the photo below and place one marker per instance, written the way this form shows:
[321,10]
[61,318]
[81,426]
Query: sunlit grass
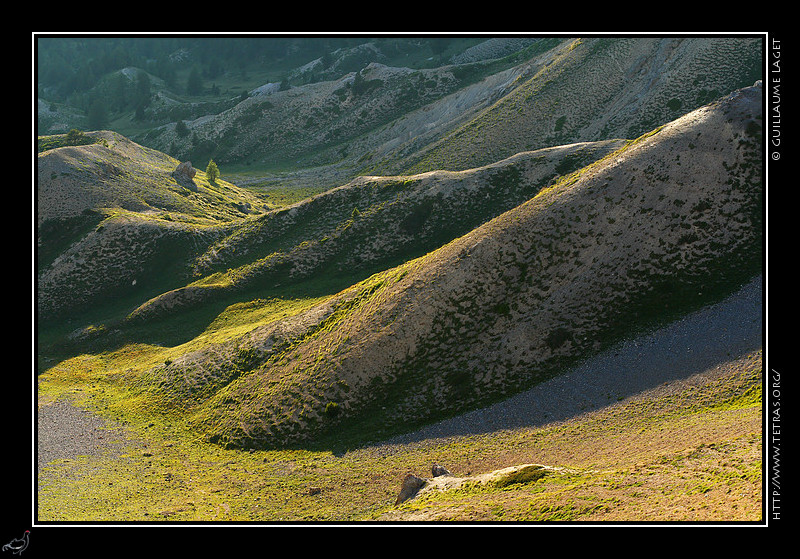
[119,369]
[156,469]
[239,318]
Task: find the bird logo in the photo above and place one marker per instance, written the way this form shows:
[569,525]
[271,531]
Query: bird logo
[18,545]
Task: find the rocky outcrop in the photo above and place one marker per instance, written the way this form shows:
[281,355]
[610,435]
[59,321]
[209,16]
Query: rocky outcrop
[411,486]
[184,174]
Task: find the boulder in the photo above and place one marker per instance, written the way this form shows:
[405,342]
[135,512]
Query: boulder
[411,485]
[184,173]
[438,470]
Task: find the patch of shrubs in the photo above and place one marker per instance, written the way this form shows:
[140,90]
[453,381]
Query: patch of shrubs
[72,138]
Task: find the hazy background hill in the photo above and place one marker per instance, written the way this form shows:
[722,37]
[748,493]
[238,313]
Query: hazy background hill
[392,105]
[591,89]
[135,85]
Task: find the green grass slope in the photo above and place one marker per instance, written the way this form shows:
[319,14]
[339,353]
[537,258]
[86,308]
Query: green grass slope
[104,170]
[667,222]
[687,451]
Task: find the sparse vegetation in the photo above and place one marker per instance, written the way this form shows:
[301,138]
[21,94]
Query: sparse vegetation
[72,138]
[702,463]
[376,260]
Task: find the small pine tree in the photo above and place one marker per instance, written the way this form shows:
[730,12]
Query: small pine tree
[194,84]
[97,117]
[181,129]
[212,171]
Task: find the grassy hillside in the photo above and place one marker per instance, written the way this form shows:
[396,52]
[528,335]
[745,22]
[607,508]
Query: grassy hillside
[390,245]
[686,451]
[480,110]
[78,173]
[632,238]
[113,222]
[197,251]
[370,224]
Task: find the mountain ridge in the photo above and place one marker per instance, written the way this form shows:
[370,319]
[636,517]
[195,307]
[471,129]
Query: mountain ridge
[373,221]
[211,222]
[413,316]
[632,85]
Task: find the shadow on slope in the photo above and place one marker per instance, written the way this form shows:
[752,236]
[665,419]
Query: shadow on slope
[309,250]
[114,222]
[345,235]
[693,344]
[662,226]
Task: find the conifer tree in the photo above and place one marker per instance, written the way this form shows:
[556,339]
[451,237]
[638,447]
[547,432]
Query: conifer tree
[194,85]
[181,129]
[212,171]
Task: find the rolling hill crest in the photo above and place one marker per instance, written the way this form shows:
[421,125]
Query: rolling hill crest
[111,212]
[652,227]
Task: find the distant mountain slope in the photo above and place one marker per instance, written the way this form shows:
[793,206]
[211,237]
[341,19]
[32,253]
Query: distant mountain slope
[590,89]
[384,120]
[313,123]
[661,224]
[145,81]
